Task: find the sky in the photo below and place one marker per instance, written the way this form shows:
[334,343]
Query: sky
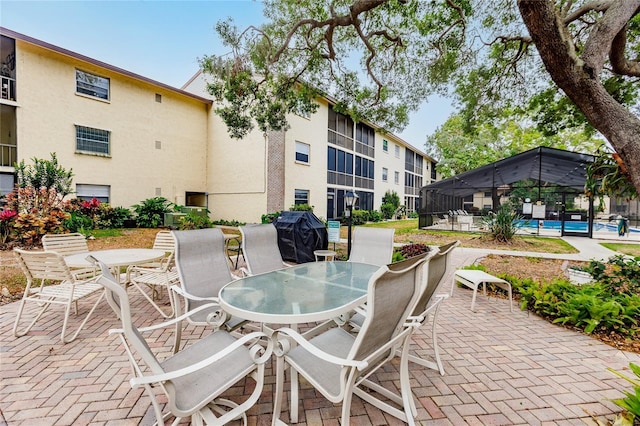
[161,40]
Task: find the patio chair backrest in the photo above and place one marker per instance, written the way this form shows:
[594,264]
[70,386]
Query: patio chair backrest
[372,245]
[260,248]
[391,295]
[43,265]
[118,300]
[437,269]
[202,264]
[65,244]
[164,241]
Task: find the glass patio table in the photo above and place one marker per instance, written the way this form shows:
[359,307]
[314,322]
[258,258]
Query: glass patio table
[314,291]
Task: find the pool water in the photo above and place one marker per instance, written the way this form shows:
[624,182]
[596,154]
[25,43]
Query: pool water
[569,226]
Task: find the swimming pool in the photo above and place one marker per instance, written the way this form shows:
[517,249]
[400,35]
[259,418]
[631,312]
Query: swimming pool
[568,226]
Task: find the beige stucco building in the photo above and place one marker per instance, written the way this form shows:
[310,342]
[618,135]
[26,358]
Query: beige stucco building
[128,138]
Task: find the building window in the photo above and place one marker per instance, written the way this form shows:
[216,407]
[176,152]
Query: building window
[87,192]
[92,85]
[158,98]
[302,152]
[301,196]
[385,172]
[364,167]
[396,178]
[385,145]
[397,151]
[92,140]
[7,183]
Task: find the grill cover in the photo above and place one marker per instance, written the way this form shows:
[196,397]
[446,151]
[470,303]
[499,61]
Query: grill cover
[299,234]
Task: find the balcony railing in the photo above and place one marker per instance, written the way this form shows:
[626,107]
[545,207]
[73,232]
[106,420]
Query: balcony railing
[8,86]
[8,155]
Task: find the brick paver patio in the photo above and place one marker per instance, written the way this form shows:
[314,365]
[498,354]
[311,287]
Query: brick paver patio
[502,368]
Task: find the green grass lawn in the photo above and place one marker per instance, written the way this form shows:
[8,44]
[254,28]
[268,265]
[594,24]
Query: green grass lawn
[407,231]
[630,249]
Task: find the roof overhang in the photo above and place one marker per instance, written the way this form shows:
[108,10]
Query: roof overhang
[542,164]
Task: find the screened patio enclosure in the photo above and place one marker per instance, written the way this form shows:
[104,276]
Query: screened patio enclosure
[546,183]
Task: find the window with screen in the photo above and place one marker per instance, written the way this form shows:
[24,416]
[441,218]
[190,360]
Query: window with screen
[92,85]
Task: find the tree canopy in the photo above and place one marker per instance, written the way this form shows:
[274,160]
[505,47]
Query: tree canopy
[572,64]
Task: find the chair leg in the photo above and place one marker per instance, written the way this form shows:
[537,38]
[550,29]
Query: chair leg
[279,393]
[86,318]
[45,306]
[408,402]
[293,408]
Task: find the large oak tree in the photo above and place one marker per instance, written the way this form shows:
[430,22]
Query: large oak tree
[379,59]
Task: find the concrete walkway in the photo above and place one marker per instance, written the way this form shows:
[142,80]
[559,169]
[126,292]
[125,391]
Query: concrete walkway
[502,368]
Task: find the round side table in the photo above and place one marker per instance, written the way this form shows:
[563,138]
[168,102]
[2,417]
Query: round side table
[325,254]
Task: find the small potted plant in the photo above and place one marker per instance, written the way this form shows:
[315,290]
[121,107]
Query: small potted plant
[579,275]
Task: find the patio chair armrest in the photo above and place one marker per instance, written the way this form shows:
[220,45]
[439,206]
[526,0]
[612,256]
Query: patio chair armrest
[171,321]
[179,290]
[282,336]
[436,300]
[414,321]
[242,341]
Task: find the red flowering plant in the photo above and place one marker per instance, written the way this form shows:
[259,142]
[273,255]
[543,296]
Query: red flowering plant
[6,224]
[38,212]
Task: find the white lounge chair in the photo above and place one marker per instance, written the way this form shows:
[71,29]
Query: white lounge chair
[157,276]
[67,291]
[68,244]
[193,380]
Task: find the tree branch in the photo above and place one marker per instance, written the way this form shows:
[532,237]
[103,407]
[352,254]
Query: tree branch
[600,40]
[597,6]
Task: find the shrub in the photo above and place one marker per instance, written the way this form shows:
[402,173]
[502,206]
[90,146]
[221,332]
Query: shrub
[78,222]
[39,212]
[301,208]
[622,275]
[359,217]
[502,225]
[375,216]
[592,307]
[392,198]
[46,174]
[195,221]
[150,213]
[270,217]
[387,210]
[631,401]
[113,217]
[228,222]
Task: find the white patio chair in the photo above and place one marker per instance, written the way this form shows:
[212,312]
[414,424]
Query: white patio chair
[157,276]
[66,289]
[68,244]
[65,244]
[372,245]
[193,380]
[260,248]
[203,269]
[338,363]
